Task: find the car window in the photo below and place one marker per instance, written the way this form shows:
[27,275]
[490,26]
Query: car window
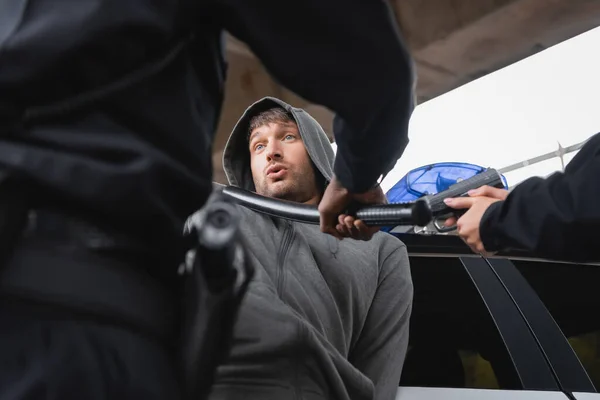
[587,348]
[453,339]
[569,292]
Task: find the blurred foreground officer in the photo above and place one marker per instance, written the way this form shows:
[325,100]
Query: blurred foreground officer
[557,217]
[107,116]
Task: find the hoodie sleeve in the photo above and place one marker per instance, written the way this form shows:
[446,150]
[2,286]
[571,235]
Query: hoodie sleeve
[381,348]
[556,217]
[347,56]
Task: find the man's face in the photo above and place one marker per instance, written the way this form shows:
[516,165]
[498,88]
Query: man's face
[281,167]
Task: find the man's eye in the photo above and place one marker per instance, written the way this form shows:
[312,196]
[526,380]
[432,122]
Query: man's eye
[289,137]
[258,147]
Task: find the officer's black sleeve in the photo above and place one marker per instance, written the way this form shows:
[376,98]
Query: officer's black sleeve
[345,55]
[557,217]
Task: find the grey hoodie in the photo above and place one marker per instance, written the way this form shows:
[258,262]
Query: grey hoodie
[323,319]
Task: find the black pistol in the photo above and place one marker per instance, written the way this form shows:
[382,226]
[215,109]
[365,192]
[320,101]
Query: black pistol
[441,211]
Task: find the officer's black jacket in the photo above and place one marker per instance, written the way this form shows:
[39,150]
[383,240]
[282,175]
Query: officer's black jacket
[557,217]
[140,158]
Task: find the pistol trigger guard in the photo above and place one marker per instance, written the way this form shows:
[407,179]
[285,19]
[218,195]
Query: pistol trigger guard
[440,228]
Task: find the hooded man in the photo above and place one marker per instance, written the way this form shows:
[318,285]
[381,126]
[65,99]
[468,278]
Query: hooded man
[324,318]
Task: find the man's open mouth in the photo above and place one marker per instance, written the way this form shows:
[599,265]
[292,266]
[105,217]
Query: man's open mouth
[276,172]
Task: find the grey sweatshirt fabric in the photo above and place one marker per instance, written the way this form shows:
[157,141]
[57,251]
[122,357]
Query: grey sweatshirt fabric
[323,319]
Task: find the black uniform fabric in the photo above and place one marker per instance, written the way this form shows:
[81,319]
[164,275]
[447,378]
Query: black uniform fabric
[141,159]
[47,354]
[557,217]
[138,160]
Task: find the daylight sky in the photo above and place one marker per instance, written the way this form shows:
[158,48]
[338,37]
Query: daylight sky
[519,112]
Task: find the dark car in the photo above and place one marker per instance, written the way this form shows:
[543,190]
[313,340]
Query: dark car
[510,326]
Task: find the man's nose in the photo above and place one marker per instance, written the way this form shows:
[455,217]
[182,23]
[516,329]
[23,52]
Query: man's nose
[274,152]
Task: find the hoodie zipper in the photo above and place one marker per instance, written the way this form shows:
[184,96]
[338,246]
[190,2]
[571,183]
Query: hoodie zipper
[288,235]
[286,242]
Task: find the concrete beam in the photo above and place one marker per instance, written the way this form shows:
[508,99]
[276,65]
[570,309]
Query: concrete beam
[234,46]
[506,35]
[425,22]
[247,81]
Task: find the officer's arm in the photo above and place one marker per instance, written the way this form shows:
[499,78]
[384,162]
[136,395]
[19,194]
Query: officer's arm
[557,217]
[345,55]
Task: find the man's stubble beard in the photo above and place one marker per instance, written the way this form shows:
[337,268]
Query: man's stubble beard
[290,189]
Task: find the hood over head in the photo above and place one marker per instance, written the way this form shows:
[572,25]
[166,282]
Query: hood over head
[236,156]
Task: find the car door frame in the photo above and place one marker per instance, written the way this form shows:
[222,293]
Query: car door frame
[541,355]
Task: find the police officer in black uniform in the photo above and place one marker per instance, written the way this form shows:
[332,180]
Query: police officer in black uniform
[557,217]
[107,114]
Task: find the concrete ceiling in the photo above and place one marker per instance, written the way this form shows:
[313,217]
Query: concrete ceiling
[452,41]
